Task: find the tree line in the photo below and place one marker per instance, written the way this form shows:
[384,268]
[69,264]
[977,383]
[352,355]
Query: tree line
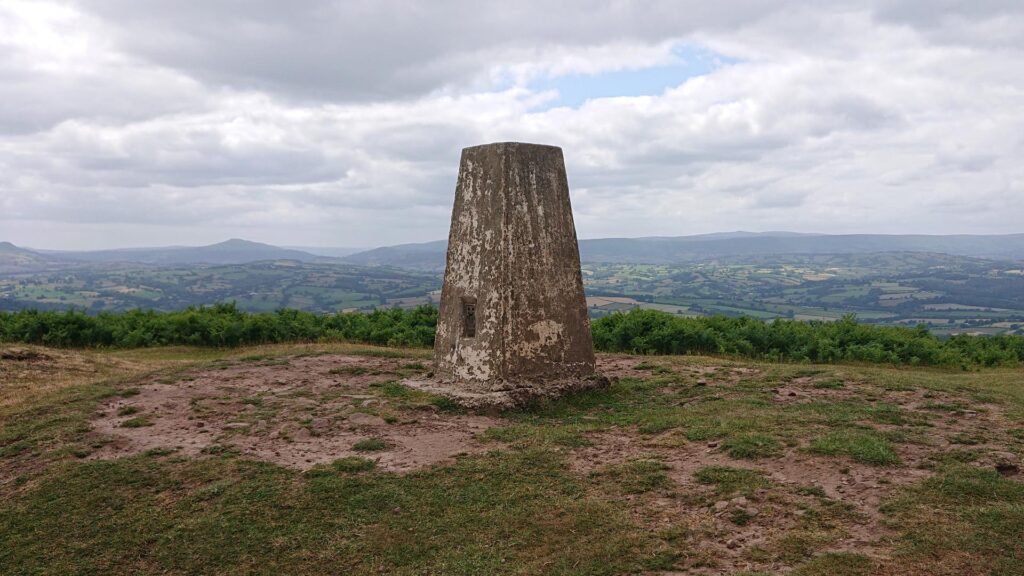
[635,332]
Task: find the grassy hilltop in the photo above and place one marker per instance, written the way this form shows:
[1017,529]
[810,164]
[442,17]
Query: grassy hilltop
[314,459]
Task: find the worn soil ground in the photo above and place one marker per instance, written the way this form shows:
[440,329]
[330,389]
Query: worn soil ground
[297,412]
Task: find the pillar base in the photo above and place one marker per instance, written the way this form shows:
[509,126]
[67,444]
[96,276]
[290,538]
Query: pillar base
[504,395]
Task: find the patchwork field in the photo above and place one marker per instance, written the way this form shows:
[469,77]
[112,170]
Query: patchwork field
[314,459]
[948,294]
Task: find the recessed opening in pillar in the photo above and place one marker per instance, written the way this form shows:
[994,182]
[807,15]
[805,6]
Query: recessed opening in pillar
[468,317]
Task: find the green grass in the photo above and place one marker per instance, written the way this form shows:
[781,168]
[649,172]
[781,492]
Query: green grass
[481,515]
[350,370]
[729,481]
[864,446]
[348,464]
[137,422]
[371,445]
[521,435]
[752,446]
[395,390]
[829,384]
[637,476]
[968,519]
[837,564]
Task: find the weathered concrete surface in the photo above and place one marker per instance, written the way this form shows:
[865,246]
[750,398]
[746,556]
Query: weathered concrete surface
[513,320]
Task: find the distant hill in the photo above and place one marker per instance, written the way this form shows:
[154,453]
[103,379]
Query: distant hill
[425,256]
[430,256]
[328,251]
[683,249]
[15,259]
[232,251]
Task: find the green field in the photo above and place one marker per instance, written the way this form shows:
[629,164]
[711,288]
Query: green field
[258,287]
[948,294]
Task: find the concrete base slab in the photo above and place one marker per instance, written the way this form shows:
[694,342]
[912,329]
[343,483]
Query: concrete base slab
[508,395]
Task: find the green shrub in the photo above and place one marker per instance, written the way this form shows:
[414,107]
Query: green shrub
[653,332]
[217,325]
[637,331]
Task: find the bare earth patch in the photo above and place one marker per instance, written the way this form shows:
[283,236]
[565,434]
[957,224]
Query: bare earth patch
[297,412]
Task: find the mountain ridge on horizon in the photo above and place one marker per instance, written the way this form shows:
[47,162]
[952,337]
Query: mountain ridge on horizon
[682,249]
[639,250]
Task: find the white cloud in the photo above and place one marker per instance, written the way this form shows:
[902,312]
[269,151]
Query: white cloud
[146,123]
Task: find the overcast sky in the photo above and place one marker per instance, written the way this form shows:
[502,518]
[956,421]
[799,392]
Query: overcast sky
[340,123]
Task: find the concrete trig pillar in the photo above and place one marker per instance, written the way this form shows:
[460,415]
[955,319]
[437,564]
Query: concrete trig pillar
[513,319]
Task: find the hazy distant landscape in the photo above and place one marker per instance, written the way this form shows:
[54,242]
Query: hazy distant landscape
[952,284]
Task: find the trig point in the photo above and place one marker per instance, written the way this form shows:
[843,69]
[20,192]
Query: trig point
[513,319]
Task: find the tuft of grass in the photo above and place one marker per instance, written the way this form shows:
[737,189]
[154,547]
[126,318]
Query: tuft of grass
[127,410]
[137,422]
[955,408]
[353,464]
[752,446]
[864,446]
[954,457]
[221,450]
[659,424]
[350,370]
[521,435]
[385,352]
[445,404]
[829,384]
[370,445]
[395,390]
[638,476]
[836,564]
[739,517]
[812,491]
[966,439]
[729,481]
[800,544]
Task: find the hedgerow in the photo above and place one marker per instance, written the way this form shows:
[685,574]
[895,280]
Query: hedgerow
[635,332]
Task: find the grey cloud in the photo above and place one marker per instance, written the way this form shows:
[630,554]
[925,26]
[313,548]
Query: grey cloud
[362,50]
